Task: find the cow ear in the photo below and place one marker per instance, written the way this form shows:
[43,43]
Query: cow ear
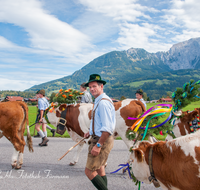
[62,107]
[58,113]
[139,154]
[194,114]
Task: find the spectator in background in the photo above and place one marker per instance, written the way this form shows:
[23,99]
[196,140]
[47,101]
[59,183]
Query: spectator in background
[139,96]
[86,97]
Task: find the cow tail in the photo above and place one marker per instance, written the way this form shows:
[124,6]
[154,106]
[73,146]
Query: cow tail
[29,141]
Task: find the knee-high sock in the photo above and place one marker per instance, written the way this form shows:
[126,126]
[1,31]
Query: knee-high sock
[105,179]
[99,183]
[48,127]
[45,133]
[41,133]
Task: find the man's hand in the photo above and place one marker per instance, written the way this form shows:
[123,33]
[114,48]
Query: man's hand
[95,150]
[41,120]
[86,135]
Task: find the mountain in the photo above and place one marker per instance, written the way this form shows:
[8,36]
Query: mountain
[184,55]
[155,86]
[124,69]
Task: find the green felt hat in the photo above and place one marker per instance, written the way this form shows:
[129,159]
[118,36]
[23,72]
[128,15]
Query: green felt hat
[95,77]
[42,91]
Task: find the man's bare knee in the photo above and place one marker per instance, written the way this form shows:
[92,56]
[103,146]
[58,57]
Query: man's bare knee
[101,171]
[90,174]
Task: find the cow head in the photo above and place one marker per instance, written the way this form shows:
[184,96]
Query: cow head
[138,156]
[54,117]
[181,125]
[61,114]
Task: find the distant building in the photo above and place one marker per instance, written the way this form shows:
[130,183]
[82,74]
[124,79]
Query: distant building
[30,100]
[165,100]
[13,98]
[154,101]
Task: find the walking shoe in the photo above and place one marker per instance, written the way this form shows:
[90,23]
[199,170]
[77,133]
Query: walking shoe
[44,144]
[44,141]
[37,135]
[53,132]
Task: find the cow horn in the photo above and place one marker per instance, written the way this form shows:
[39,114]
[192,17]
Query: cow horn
[178,113]
[152,139]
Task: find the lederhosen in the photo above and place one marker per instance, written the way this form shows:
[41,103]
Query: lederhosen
[95,162]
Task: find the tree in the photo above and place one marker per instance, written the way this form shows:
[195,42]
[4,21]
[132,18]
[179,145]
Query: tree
[145,96]
[122,98]
[169,94]
[148,99]
[53,94]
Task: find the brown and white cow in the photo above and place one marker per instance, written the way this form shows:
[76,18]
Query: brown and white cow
[181,125]
[176,163]
[78,119]
[13,118]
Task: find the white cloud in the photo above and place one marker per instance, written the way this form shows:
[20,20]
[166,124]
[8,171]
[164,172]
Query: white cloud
[184,15]
[19,85]
[45,31]
[132,20]
[4,43]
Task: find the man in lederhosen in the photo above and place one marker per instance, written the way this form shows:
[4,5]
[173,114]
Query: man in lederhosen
[43,104]
[101,130]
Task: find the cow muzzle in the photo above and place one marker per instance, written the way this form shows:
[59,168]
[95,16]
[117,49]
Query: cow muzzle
[61,127]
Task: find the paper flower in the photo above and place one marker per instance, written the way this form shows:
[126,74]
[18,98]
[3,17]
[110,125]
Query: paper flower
[64,96]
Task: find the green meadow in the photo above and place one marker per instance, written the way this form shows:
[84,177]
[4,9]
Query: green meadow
[33,112]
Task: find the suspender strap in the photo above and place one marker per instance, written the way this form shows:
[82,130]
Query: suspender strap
[93,113]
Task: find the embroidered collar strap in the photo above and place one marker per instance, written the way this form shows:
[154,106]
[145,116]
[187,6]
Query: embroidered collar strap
[152,178]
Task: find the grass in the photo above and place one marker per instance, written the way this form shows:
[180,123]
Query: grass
[139,83]
[33,112]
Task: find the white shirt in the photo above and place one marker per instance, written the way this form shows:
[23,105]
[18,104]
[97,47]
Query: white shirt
[104,119]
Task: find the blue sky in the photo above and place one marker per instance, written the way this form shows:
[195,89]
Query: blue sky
[43,40]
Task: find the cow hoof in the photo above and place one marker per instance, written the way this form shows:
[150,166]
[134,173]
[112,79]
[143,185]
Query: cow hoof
[18,167]
[72,164]
[14,165]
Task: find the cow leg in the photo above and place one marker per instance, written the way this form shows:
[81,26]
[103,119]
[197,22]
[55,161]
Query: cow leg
[14,158]
[20,155]
[19,160]
[78,151]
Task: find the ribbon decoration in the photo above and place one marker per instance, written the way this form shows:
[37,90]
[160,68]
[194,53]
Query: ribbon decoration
[156,111]
[128,168]
[123,166]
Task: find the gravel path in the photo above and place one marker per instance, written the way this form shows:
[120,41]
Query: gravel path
[42,170]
